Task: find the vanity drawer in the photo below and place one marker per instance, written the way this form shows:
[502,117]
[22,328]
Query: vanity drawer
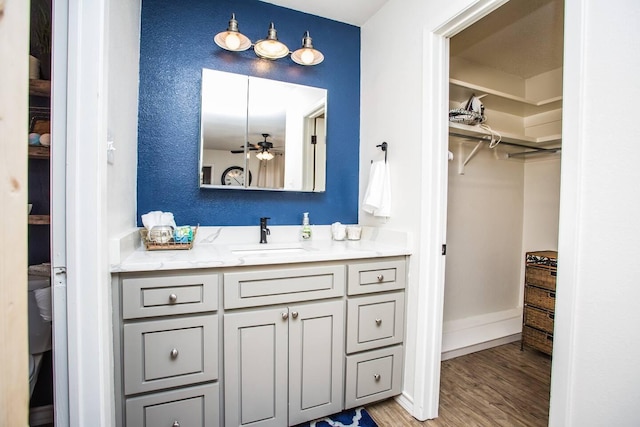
[373,375]
[275,286]
[169,353]
[193,407]
[376,276]
[375,321]
[148,296]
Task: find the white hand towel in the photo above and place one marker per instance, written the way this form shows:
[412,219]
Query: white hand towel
[377,198]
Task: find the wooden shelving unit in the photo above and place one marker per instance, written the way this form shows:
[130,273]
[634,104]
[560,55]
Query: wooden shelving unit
[39,219]
[39,87]
[39,152]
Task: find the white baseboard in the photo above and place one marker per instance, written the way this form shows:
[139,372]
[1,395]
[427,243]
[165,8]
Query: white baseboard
[479,347]
[406,402]
[465,336]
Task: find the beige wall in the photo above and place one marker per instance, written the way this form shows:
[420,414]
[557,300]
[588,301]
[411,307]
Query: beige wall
[541,204]
[124,51]
[484,234]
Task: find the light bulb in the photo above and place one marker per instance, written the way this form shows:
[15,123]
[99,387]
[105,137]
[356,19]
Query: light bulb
[232,41]
[307,56]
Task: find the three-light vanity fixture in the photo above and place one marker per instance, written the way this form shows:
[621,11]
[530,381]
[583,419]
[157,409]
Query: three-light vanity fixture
[270,47]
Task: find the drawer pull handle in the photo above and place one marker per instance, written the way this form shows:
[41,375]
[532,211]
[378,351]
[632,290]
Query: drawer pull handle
[380,277]
[174,353]
[173,298]
[294,314]
[285,315]
[376,377]
[175,424]
[378,322]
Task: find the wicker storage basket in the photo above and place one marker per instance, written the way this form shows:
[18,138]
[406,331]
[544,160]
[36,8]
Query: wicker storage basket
[542,276]
[541,269]
[540,298]
[537,339]
[154,246]
[539,319]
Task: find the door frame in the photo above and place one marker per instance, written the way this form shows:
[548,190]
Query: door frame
[434,200]
[435,106]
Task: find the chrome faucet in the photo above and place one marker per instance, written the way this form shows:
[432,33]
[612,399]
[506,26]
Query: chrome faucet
[264,231]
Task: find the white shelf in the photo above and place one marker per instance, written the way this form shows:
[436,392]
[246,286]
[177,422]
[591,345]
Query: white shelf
[502,101]
[505,95]
[478,132]
[523,145]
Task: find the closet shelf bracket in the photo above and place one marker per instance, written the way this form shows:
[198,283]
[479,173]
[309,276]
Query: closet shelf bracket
[462,164]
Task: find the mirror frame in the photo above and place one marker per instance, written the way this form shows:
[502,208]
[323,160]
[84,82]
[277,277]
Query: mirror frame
[238,118]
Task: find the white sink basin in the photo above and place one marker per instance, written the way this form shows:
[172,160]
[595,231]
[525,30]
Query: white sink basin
[267,249]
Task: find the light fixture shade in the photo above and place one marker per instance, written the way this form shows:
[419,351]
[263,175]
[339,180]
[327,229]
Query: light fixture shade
[271,48]
[307,55]
[264,155]
[232,39]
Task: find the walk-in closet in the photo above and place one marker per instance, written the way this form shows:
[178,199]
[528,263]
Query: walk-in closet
[504,168]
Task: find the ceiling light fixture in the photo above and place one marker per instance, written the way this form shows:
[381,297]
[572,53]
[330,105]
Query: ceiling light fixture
[264,155]
[270,47]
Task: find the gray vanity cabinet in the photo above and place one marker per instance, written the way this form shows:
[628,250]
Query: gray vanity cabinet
[375,330]
[284,364]
[276,345]
[167,349]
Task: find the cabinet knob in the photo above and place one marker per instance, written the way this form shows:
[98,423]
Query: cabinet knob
[380,277]
[376,377]
[175,424]
[378,322]
[285,315]
[174,353]
[173,298]
[294,314]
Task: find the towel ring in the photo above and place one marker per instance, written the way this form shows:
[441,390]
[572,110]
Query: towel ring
[383,147]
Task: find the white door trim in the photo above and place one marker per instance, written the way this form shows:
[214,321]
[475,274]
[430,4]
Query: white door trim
[434,202]
[90,349]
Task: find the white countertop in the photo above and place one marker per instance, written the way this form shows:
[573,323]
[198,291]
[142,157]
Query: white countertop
[238,246]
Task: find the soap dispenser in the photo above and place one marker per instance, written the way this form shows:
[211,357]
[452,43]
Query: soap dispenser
[306,228]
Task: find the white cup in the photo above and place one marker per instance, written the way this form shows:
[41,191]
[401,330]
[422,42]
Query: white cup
[354,232]
[338,231]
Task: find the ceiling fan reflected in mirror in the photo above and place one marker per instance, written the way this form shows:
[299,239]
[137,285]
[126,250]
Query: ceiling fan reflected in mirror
[263,148]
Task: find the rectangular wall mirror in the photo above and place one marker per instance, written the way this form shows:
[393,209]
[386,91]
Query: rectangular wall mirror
[261,134]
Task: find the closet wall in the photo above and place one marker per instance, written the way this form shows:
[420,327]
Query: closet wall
[502,203]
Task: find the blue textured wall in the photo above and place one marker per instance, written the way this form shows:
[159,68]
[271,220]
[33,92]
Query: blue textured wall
[176,43]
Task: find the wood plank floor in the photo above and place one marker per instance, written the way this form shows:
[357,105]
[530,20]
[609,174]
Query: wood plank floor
[501,386]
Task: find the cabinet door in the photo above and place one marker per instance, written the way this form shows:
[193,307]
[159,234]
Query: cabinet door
[255,367]
[316,348]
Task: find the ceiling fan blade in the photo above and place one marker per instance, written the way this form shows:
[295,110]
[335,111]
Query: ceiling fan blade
[251,148]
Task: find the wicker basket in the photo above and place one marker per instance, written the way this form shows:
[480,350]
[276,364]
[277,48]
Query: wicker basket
[542,276]
[537,339]
[539,319]
[154,246]
[540,298]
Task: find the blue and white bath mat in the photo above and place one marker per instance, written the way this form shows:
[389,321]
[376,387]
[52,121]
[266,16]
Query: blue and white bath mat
[357,417]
